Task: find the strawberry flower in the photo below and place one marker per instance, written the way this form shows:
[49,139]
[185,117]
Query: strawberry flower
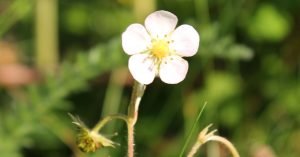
[157,49]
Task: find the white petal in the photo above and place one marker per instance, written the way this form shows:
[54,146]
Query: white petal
[135,39]
[186,41]
[173,69]
[160,23]
[142,68]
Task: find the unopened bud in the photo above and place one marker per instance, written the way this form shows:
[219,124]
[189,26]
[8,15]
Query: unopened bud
[90,141]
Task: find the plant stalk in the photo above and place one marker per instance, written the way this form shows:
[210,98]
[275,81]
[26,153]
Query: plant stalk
[194,149]
[227,143]
[46,35]
[137,93]
[106,119]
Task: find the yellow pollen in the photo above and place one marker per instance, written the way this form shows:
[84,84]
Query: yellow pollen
[160,48]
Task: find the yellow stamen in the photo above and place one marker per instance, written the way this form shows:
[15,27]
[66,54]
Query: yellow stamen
[160,48]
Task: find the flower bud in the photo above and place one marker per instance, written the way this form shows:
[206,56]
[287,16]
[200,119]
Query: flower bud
[90,141]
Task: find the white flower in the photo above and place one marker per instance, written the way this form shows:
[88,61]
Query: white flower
[157,49]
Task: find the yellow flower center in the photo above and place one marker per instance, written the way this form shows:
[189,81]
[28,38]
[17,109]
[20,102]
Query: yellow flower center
[160,48]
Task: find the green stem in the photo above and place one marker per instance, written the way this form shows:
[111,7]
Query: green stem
[137,93]
[103,121]
[46,35]
[192,130]
[113,96]
[202,11]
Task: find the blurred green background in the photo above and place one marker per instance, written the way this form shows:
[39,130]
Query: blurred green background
[65,56]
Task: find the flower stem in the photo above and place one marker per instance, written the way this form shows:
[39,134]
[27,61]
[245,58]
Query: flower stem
[228,144]
[130,140]
[103,121]
[46,35]
[137,93]
[194,149]
[211,137]
[205,136]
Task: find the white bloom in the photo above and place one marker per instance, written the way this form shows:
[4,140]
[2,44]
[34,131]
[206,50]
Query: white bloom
[157,49]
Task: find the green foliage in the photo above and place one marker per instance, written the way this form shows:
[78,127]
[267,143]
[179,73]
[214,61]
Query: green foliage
[17,10]
[269,24]
[212,45]
[42,113]
[76,19]
[247,69]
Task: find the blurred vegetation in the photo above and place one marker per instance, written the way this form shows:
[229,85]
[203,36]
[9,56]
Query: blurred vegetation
[247,69]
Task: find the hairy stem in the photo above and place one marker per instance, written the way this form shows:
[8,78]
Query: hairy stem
[130,140]
[137,93]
